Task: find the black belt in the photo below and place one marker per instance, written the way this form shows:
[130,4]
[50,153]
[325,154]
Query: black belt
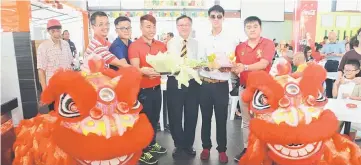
[152,88]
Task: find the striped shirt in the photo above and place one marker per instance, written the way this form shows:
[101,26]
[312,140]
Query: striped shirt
[98,46]
[50,57]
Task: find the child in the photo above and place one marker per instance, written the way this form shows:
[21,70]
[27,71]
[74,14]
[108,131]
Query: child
[345,87]
[299,61]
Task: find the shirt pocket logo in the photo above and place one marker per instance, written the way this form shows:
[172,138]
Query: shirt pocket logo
[259,53]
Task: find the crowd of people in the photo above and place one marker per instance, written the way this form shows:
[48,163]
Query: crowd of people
[342,57]
[257,53]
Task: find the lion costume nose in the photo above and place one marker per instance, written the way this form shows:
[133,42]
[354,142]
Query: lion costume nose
[290,111]
[96,113]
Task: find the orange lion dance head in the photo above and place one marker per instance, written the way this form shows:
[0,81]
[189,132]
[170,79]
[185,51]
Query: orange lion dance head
[96,120]
[290,126]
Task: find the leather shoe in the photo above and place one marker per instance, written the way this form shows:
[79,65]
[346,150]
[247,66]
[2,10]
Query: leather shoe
[190,151]
[177,152]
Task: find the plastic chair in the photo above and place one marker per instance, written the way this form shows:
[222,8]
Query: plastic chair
[233,106]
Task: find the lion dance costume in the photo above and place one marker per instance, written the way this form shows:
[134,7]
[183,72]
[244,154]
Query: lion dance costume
[96,120]
[290,126]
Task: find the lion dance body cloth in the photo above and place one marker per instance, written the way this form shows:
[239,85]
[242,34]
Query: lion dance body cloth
[96,120]
[290,126]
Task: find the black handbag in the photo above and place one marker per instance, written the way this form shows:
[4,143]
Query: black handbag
[331,65]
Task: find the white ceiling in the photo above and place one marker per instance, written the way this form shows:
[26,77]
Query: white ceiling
[41,13]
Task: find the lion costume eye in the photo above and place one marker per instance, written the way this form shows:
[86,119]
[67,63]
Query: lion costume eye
[260,101]
[67,107]
[320,97]
[136,105]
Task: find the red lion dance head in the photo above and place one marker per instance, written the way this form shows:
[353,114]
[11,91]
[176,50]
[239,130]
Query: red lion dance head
[290,126]
[96,120]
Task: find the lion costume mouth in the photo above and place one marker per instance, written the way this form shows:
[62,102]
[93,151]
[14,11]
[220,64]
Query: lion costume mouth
[102,148]
[107,126]
[123,160]
[295,151]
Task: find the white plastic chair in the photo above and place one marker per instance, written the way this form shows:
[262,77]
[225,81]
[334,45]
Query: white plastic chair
[233,106]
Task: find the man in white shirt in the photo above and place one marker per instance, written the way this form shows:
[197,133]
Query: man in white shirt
[215,88]
[186,97]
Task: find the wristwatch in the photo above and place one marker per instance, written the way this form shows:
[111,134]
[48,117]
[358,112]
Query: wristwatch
[245,67]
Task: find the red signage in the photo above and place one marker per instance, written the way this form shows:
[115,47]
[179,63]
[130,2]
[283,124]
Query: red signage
[304,24]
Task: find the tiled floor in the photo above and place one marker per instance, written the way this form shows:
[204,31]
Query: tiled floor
[234,146]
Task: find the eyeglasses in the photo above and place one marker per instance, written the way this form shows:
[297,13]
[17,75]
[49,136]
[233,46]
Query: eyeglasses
[102,25]
[124,29]
[184,25]
[216,16]
[349,70]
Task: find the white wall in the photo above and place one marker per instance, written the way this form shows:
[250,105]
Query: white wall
[75,28]
[278,30]
[76,33]
[9,75]
[202,27]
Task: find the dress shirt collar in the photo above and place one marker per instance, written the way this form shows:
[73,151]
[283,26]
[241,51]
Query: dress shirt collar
[188,38]
[219,34]
[51,40]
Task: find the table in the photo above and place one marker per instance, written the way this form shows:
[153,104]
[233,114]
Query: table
[7,129]
[338,106]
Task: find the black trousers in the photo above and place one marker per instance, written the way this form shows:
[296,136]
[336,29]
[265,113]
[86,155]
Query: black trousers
[151,99]
[214,96]
[329,85]
[179,101]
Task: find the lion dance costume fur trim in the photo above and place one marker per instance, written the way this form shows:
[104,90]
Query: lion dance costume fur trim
[290,126]
[96,120]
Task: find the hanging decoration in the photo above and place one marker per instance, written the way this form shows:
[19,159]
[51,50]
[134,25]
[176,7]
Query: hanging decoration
[168,14]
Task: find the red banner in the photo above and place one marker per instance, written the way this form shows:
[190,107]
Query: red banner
[304,24]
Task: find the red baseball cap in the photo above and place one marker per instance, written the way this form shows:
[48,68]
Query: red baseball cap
[53,23]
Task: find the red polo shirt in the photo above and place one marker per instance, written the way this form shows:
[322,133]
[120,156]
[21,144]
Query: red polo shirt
[140,49]
[265,49]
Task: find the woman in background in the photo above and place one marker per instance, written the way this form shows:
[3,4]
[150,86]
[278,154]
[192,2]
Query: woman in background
[347,46]
[307,52]
[316,55]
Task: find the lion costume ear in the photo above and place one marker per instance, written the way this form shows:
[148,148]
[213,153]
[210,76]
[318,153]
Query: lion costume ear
[261,80]
[312,80]
[128,85]
[72,83]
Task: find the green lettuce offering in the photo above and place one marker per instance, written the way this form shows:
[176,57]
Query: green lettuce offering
[182,68]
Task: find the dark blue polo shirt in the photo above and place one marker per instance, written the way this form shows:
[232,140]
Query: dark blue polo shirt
[119,49]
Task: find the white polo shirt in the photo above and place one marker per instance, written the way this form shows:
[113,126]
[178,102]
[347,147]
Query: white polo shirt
[222,44]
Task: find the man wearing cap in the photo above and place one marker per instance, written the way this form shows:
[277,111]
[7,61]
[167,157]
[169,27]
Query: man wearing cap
[99,45]
[52,55]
